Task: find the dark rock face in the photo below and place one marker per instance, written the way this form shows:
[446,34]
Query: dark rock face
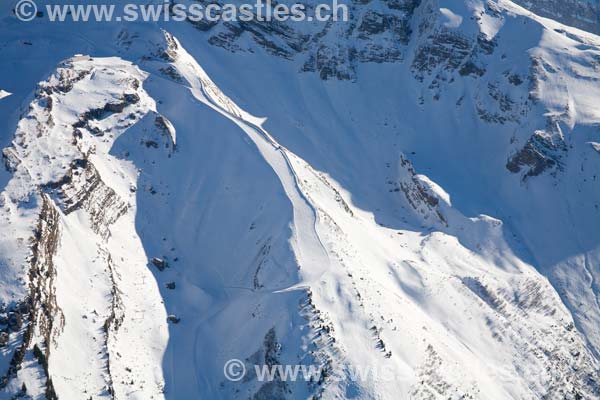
[15,322]
[377,31]
[418,196]
[537,156]
[444,48]
[159,263]
[269,356]
[101,113]
[39,313]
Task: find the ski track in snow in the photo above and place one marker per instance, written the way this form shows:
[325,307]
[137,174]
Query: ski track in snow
[305,216]
[310,251]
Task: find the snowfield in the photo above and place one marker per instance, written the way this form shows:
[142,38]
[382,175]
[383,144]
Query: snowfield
[414,192]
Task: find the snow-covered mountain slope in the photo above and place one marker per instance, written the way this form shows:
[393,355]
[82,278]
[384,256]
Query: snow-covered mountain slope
[429,208]
[583,14]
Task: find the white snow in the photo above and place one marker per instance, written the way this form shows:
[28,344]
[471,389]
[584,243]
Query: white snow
[452,20]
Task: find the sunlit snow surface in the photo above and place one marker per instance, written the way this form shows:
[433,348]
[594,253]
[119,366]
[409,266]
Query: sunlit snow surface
[370,222]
